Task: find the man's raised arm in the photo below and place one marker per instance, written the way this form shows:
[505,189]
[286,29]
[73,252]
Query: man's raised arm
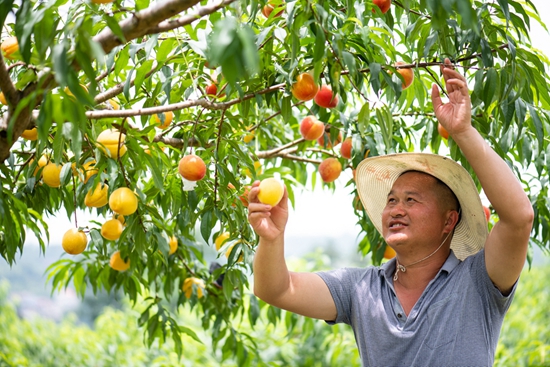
[303,293]
[506,246]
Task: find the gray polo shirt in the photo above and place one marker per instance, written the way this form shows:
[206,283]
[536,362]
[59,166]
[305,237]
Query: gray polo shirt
[455,322]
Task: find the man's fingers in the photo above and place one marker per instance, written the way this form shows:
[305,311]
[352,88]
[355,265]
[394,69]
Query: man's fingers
[458,85]
[436,98]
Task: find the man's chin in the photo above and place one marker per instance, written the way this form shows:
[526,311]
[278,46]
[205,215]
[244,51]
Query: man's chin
[395,239]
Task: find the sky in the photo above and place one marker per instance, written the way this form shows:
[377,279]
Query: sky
[321,212]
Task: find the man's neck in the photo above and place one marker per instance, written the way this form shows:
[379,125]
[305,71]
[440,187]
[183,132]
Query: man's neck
[419,275]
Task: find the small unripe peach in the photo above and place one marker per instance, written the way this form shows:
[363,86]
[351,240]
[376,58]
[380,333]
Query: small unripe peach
[192,167]
[311,128]
[330,169]
[271,191]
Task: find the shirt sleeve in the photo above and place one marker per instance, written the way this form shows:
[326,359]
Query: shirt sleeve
[341,283]
[490,294]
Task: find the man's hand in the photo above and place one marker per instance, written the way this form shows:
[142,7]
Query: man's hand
[455,116]
[268,222]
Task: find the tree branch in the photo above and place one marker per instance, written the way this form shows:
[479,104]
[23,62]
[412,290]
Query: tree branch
[142,22]
[10,93]
[205,103]
[169,25]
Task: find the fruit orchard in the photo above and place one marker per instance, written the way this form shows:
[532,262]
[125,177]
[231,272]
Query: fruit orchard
[110,108]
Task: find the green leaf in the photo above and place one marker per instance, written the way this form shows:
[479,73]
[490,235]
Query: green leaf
[5,8]
[115,27]
[320,47]
[208,220]
[539,131]
[286,108]
[153,167]
[363,118]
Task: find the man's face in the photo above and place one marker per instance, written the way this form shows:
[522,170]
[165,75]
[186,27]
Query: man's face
[414,216]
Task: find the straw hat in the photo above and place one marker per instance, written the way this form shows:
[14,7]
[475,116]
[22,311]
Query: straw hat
[375,177]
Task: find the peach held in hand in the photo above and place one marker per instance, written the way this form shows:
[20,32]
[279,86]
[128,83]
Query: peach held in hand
[271,191]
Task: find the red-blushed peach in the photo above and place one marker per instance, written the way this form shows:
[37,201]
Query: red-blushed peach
[211,89]
[330,169]
[345,148]
[326,142]
[325,97]
[384,5]
[407,74]
[305,87]
[442,131]
[192,167]
[487,212]
[268,9]
[311,128]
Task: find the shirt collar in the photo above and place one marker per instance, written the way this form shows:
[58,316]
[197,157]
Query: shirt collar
[388,268]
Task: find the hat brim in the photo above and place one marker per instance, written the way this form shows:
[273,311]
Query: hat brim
[375,177]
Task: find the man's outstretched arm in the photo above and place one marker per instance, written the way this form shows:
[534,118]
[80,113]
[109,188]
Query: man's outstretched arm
[506,246]
[303,293]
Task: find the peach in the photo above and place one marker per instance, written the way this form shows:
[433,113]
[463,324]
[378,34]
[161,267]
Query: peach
[30,134]
[271,191]
[311,128]
[108,142]
[325,97]
[345,148]
[442,131]
[487,212]
[407,74]
[211,89]
[192,167]
[330,169]
[167,116]
[9,47]
[123,201]
[326,142]
[384,5]
[389,253]
[304,88]
[268,9]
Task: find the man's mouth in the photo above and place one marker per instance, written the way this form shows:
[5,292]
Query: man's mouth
[394,225]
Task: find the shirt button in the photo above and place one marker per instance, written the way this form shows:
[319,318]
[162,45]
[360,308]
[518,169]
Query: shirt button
[399,315]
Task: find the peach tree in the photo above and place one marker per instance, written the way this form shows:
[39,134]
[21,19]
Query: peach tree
[102,96]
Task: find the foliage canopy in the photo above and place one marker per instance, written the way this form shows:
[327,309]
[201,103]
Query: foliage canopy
[139,59]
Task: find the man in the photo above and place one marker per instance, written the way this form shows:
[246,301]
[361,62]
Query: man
[442,299]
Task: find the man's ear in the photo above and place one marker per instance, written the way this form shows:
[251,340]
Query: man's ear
[452,219]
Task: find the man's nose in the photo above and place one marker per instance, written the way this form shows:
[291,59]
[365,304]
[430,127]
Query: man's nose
[397,210]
